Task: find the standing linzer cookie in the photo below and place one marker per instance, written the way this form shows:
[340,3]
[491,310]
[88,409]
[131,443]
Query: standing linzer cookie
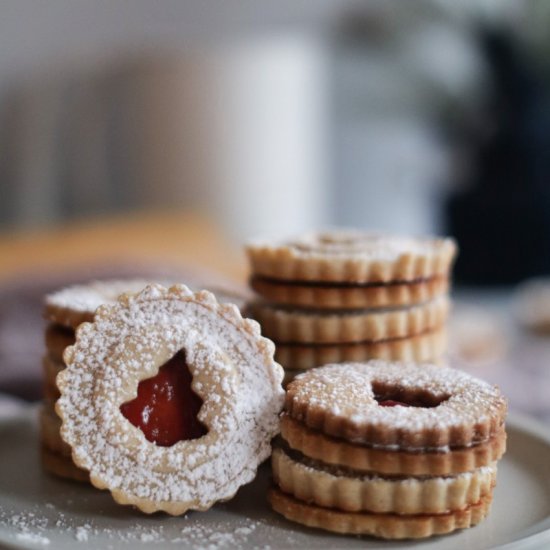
[204,434]
[393,450]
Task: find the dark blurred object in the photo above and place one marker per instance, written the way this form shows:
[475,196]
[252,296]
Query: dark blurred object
[502,218]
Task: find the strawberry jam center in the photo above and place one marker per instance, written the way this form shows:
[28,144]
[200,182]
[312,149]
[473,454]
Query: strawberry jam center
[166,407]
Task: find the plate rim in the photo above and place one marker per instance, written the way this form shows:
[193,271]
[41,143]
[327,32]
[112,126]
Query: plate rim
[537,429]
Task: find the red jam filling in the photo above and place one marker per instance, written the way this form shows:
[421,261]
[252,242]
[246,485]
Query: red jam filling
[166,407]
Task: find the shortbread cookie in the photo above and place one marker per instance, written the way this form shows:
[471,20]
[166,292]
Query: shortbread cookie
[429,346]
[443,407]
[152,461]
[349,295]
[348,490]
[352,257]
[61,466]
[77,304]
[346,327]
[69,307]
[388,526]
[333,450]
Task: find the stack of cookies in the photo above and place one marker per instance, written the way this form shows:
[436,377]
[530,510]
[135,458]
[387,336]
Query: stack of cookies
[352,296]
[64,311]
[388,449]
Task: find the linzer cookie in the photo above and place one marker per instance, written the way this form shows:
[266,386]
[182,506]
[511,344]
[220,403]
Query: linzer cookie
[446,407]
[205,435]
[55,454]
[71,306]
[56,339]
[394,450]
[368,270]
[65,310]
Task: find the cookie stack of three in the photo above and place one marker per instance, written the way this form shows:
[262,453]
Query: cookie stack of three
[351,296]
[388,450]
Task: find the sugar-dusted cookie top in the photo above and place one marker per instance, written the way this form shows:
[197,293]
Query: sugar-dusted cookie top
[353,257]
[397,405]
[76,304]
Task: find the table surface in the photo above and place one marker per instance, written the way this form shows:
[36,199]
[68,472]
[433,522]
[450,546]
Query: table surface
[164,238]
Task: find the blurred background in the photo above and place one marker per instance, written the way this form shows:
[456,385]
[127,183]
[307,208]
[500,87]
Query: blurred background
[153,137]
[265,117]
[422,117]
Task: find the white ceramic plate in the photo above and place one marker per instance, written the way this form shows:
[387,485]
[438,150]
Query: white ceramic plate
[38,511]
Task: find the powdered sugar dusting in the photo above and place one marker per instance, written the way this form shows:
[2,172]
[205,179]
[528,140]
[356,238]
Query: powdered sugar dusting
[28,526]
[378,246]
[359,245]
[344,393]
[233,372]
[33,538]
[33,528]
[87,298]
